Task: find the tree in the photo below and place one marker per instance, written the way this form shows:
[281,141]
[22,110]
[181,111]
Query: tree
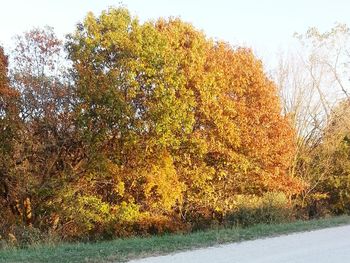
[132,111]
[312,82]
[47,146]
[9,126]
[217,161]
[330,162]
[147,127]
[163,90]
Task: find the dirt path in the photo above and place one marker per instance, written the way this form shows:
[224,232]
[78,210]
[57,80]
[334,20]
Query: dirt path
[331,245]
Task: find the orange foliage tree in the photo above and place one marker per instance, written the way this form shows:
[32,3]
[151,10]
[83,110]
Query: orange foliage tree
[155,128]
[240,143]
[9,126]
[166,108]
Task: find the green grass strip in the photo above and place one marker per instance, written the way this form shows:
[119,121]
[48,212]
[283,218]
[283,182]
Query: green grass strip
[121,250]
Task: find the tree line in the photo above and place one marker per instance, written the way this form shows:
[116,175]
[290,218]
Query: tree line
[142,128]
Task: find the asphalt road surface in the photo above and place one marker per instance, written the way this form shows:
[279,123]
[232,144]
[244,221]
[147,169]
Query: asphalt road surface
[331,245]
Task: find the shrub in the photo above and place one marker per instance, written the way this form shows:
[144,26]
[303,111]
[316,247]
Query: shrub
[272,207]
[27,236]
[159,224]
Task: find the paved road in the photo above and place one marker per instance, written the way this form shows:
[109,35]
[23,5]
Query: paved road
[330,245]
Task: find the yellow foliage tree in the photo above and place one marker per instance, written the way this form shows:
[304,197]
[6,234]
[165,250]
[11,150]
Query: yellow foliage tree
[175,122]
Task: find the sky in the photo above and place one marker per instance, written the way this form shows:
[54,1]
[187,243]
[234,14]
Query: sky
[266,26]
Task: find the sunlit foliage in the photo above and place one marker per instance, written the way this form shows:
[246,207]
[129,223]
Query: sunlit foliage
[152,128]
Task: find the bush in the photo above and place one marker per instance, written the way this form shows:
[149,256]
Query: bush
[272,207]
[89,217]
[27,236]
[159,224]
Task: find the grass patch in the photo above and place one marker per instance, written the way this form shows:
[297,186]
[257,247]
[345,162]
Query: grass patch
[121,250]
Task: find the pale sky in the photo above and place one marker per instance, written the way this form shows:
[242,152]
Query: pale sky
[267,26]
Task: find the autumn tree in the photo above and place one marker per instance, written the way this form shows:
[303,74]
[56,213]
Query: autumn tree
[312,81]
[145,128]
[9,126]
[332,160]
[216,161]
[165,108]
[133,109]
[329,163]
[46,152]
